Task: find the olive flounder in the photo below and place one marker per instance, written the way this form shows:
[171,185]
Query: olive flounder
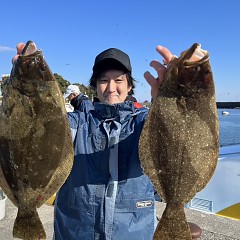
[179,143]
[36,150]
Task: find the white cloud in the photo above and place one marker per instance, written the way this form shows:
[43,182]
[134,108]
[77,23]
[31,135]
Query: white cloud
[6,49]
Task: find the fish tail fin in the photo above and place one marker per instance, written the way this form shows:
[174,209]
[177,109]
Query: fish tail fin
[28,225]
[173,224]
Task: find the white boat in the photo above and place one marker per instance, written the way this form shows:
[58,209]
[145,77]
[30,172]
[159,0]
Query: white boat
[225,113]
[221,196]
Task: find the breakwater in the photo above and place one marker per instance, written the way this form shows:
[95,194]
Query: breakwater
[228,104]
[219,104]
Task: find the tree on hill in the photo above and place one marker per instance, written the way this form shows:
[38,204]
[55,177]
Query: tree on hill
[62,82]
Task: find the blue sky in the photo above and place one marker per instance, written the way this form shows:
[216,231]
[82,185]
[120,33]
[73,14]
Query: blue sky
[71,33]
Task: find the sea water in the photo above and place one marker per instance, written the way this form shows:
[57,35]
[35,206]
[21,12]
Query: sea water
[229,127]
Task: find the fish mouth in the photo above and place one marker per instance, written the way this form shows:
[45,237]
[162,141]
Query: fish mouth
[29,49]
[29,57]
[195,56]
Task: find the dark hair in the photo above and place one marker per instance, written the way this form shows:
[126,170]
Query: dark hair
[98,74]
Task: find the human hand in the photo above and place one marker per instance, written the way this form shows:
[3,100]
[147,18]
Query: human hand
[156,83]
[19,47]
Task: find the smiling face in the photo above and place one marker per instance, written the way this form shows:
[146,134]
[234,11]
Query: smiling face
[113,87]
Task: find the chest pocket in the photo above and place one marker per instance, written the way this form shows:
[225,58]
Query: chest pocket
[92,136]
[96,141]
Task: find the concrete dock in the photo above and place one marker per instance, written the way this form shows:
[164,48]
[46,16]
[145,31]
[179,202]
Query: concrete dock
[213,227]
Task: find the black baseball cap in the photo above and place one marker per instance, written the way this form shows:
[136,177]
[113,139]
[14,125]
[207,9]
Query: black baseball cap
[112,58]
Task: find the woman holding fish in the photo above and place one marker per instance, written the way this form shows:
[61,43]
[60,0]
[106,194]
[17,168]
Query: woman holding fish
[107,195]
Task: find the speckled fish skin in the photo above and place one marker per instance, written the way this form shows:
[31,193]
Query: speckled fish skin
[36,150]
[179,143]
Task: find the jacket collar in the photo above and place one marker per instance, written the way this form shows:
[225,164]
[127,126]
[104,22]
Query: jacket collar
[115,111]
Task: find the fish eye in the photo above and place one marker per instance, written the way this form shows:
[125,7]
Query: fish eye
[43,67]
[31,64]
[198,68]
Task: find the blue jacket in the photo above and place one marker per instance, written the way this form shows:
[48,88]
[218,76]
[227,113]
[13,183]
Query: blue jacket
[106,195]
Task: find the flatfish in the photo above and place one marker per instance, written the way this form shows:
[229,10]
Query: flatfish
[179,143]
[36,150]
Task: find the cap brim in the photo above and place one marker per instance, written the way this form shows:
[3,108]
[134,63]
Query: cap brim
[67,94]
